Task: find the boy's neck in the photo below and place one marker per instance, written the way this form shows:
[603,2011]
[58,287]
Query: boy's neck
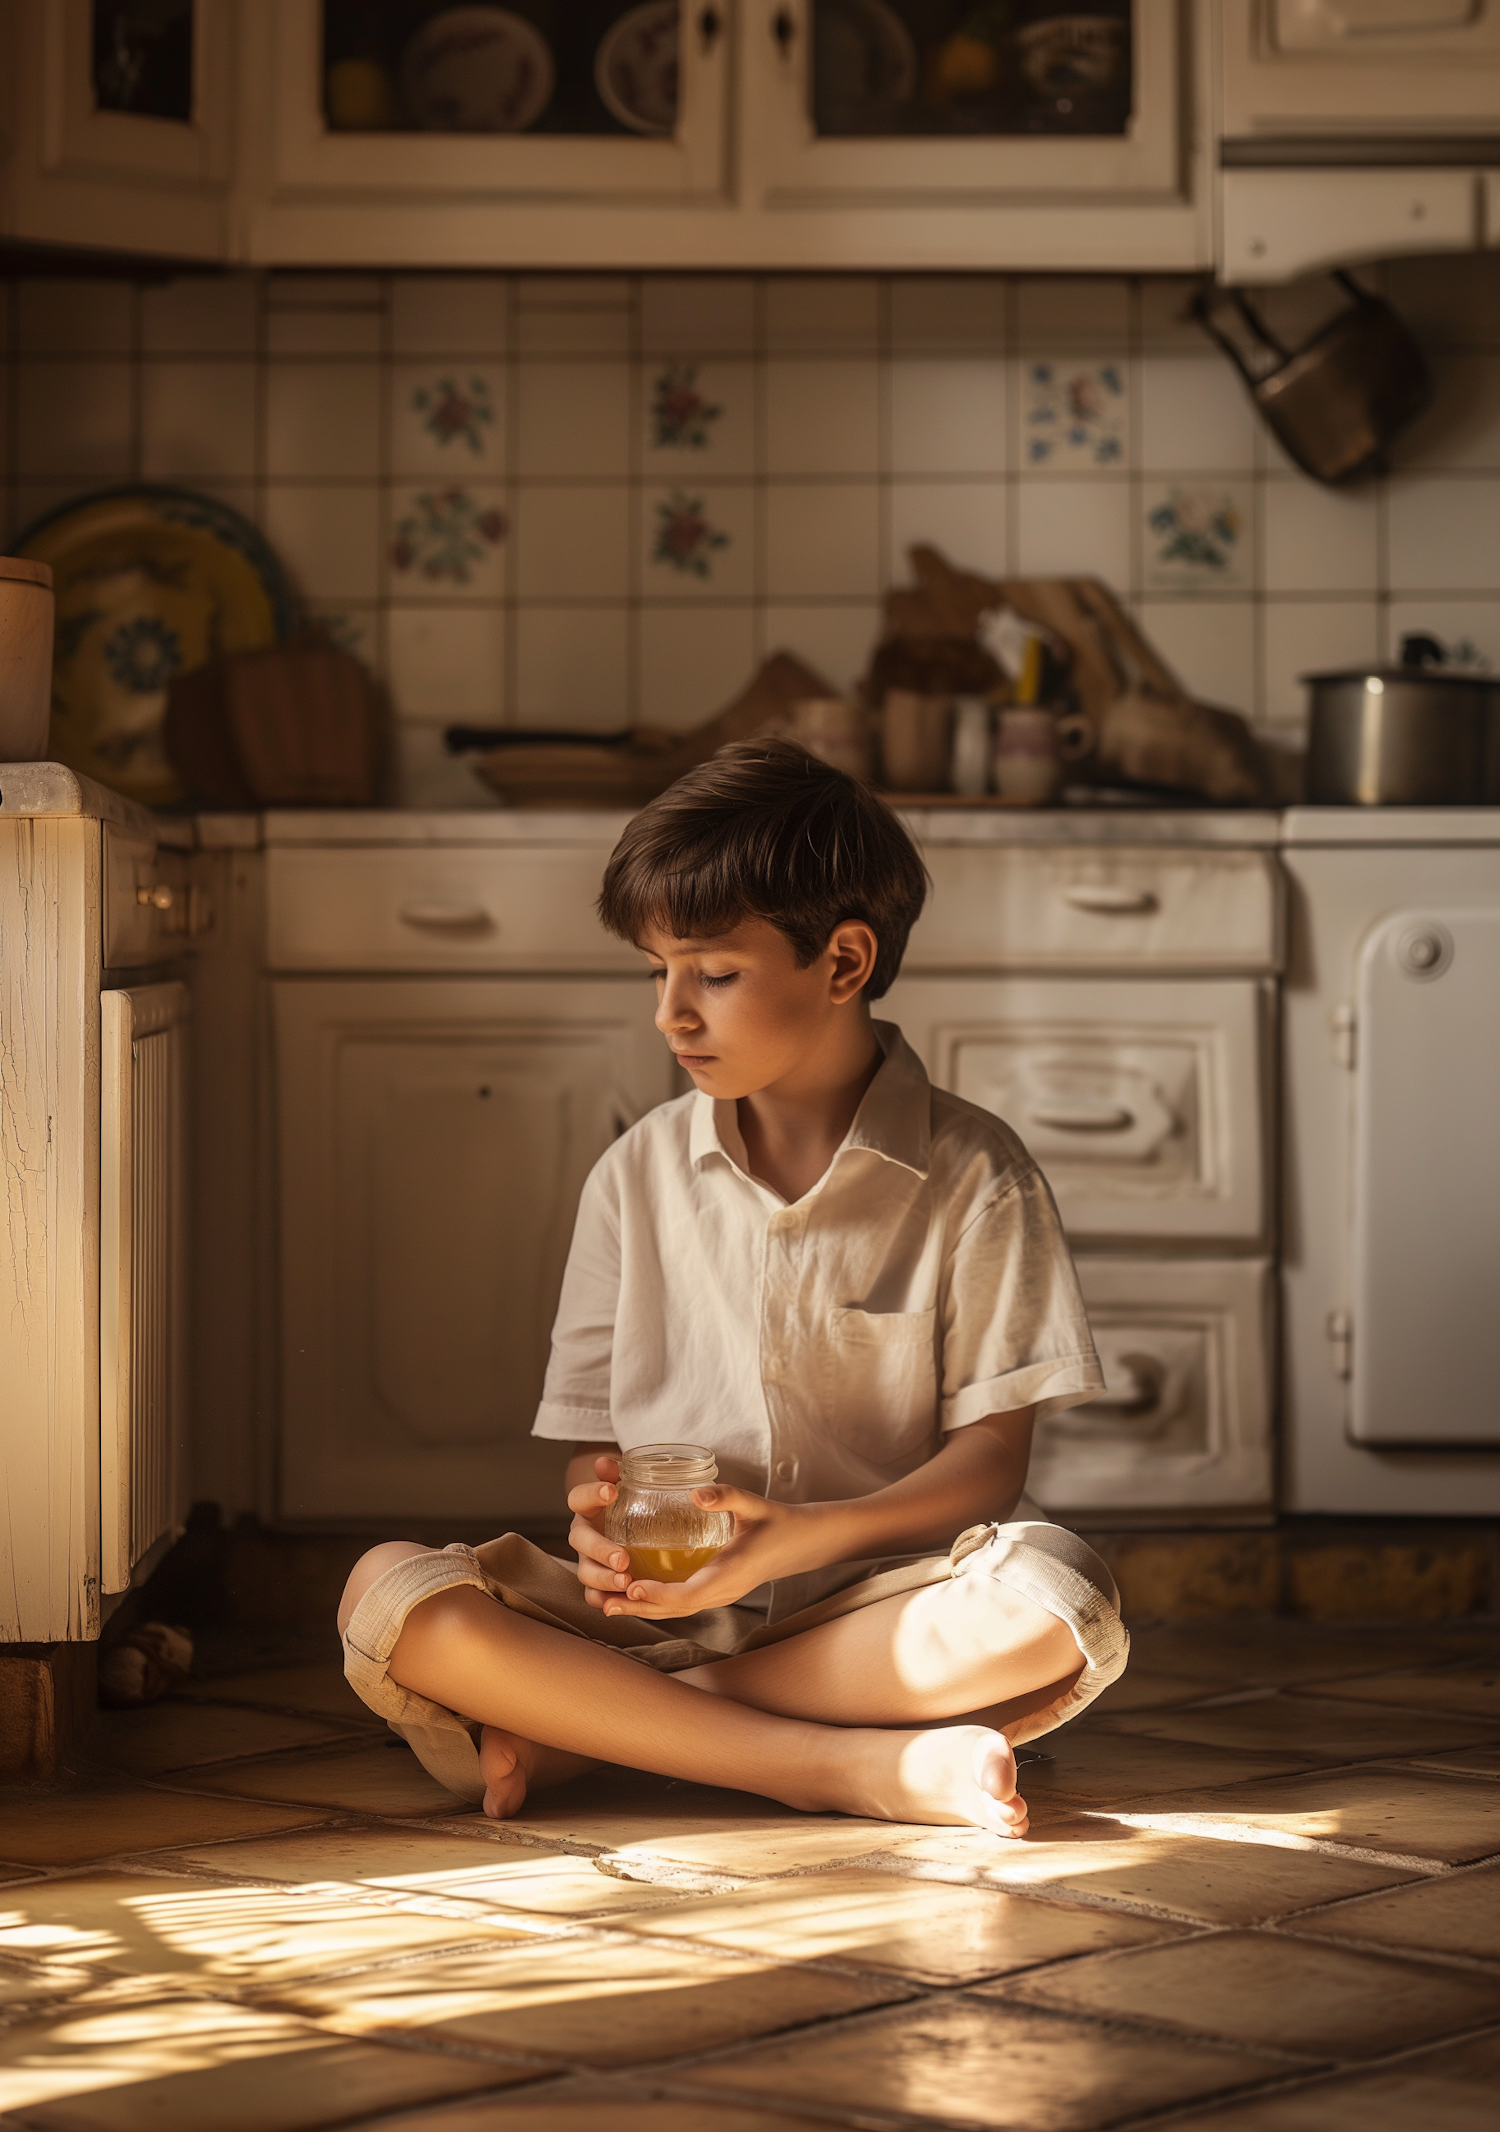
[793,1129]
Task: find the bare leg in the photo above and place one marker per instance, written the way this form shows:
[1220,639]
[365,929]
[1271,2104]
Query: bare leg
[463,1650]
[966,1647]
[512,1767]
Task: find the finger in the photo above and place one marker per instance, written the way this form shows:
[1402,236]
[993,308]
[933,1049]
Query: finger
[591,1498]
[587,1539]
[607,1469]
[597,1578]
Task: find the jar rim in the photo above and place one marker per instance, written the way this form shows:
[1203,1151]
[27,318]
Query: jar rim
[668,1466]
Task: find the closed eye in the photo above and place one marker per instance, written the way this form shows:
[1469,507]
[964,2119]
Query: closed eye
[714,983]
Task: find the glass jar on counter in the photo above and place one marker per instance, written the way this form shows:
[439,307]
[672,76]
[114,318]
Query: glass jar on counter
[654,1518]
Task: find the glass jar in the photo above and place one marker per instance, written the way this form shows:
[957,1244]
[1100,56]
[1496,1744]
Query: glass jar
[654,1518]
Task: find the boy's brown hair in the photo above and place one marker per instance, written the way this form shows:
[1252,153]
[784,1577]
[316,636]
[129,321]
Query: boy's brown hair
[765,830]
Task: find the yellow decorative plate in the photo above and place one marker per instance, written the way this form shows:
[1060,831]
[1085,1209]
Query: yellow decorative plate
[150,583]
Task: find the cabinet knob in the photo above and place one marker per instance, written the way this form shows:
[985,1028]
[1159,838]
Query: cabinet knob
[1110,900]
[434,915]
[710,23]
[784,31]
[157,895]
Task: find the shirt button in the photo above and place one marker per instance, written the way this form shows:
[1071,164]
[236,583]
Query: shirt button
[786,1469]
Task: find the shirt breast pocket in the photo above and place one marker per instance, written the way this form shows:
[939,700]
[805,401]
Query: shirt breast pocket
[881,1389]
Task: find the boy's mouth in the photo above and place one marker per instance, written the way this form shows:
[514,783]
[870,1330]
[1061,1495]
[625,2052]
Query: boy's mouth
[690,1059]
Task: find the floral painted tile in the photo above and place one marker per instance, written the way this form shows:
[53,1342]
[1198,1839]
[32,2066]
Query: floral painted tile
[447,418]
[352,629]
[697,541]
[1197,538]
[447,543]
[1074,412]
[697,418]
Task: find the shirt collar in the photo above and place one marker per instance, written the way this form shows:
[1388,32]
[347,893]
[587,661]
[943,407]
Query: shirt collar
[894,1119]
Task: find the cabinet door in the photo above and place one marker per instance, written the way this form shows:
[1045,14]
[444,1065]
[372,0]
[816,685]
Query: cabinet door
[1185,1420]
[142,1275]
[122,129]
[434,1137]
[1142,1102]
[907,102]
[377,142]
[1404,67]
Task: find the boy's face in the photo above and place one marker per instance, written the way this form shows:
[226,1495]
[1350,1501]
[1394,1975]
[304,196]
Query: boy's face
[740,1015]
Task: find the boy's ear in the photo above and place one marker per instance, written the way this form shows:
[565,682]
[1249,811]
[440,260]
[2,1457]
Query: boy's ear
[853,948]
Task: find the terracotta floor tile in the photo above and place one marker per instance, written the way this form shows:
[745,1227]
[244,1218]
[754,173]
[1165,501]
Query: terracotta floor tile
[605,2111]
[137,1924]
[592,2003]
[985,2064]
[318,1690]
[1139,1688]
[1413,1813]
[175,1735]
[127,2057]
[478,1869]
[1456,1914]
[378,1777]
[1267,1653]
[1482,1761]
[1472,1688]
[1268,1989]
[616,1807]
[1309,1727]
[1109,1766]
[73,1827]
[1396,2099]
[1197,1877]
[923,1929]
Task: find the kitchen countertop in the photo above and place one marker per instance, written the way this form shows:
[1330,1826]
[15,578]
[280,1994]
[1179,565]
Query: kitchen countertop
[934,825]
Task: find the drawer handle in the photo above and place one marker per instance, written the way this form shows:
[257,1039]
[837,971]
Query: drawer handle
[1138,1385]
[1083,1117]
[1111,902]
[439,917]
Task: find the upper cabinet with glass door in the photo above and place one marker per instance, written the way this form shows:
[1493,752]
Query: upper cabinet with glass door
[989,132]
[119,132]
[544,132]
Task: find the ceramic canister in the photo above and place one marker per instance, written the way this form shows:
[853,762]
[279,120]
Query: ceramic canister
[26,610]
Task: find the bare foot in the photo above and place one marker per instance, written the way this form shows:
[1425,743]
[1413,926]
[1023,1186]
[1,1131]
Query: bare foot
[962,1774]
[513,1767]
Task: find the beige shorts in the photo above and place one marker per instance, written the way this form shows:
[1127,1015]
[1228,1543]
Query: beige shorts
[1045,1562]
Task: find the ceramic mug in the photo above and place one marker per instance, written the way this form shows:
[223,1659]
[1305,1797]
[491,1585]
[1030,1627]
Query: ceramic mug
[1028,756]
[916,741]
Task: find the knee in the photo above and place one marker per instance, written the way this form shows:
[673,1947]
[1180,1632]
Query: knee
[370,1566]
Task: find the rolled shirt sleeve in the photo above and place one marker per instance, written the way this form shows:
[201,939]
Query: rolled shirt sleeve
[575,1406]
[1015,1333]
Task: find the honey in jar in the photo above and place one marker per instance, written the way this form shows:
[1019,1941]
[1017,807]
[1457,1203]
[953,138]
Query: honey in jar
[654,1518]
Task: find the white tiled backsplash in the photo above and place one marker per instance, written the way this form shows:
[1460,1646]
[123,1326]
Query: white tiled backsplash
[579,501]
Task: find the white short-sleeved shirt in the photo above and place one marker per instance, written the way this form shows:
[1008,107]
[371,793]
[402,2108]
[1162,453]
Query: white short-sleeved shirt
[819,1349]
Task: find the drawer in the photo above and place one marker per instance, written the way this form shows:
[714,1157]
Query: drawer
[1098,907]
[530,908]
[1185,1420]
[147,908]
[1143,1101]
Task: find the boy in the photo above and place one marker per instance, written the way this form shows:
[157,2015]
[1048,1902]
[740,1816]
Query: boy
[853,1289]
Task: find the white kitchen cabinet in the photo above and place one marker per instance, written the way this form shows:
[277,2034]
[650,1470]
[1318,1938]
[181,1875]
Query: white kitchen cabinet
[1143,1102]
[1181,1428]
[91,1096]
[434,1135]
[79,166]
[754,174]
[143,1312]
[1330,68]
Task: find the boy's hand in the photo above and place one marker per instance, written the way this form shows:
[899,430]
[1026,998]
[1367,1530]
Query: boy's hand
[602,1565]
[770,1540]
